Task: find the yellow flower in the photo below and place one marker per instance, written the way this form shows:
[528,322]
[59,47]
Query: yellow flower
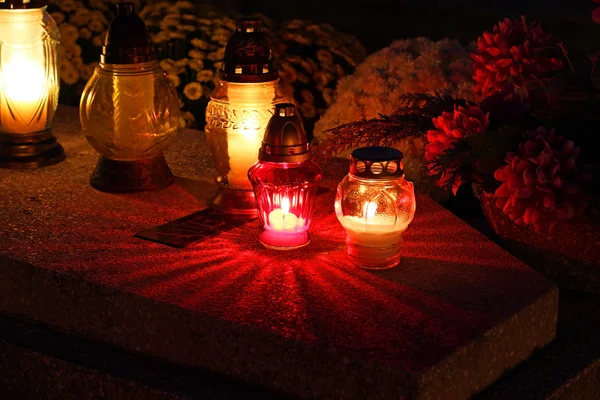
[189,17]
[98,5]
[188,117]
[324,57]
[58,17]
[214,56]
[308,110]
[81,17]
[193,90]
[322,78]
[97,41]
[98,16]
[205,75]
[307,96]
[68,74]
[196,54]
[68,5]
[204,21]
[294,59]
[87,70]
[68,34]
[176,35]
[196,65]
[288,73]
[217,65]
[85,33]
[199,43]
[160,37]
[77,62]
[303,78]
[96,26]
[328,95]
[167,64]
[184,5]
[174,79]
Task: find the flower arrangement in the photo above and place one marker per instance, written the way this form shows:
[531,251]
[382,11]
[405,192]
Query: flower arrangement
[191,40]
[524,134]
[417,65]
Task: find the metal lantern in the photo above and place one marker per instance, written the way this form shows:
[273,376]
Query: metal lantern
[29,85]
[238,112]
[375,204]
[129,110]
[285,182]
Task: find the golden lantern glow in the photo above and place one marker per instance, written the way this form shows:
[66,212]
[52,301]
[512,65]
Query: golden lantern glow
[29,85]
[240,107]
[375,205]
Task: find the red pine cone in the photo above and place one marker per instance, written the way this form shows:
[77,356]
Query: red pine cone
[510,56]
[542,182]
[454,126]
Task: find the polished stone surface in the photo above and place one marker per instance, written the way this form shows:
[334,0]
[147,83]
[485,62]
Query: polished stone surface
[446,323]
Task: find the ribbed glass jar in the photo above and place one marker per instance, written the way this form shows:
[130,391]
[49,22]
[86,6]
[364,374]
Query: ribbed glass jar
[129,112]
[285,195]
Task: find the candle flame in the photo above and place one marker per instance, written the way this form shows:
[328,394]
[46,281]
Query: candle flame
[285,205]
[369,209]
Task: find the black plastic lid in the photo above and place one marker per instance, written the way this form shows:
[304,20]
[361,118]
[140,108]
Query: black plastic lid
[22,4]
[285,138]
[377,162]
[127,39]
[249,55]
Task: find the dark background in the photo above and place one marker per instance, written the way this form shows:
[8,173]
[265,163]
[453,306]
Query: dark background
[378,22]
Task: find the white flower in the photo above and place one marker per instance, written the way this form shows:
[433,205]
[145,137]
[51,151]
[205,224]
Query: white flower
[413,65]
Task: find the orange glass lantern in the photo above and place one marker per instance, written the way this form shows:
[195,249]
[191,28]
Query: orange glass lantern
[29,85]
[375,204]
[129,110]
[285,182]
[238,112]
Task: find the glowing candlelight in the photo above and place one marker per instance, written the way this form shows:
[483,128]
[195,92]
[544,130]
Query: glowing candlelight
[26,90]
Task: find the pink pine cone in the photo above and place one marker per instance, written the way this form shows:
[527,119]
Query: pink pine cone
[542,182]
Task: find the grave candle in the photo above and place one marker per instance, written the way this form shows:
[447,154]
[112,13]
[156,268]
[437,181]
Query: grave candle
[246,92]
[28,85]
[375,205]
[285,182]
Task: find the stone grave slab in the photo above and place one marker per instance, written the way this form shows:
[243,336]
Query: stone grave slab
[446,323]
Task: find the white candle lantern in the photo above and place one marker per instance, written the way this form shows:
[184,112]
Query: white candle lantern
[240,107]
[375,204]
[29,85]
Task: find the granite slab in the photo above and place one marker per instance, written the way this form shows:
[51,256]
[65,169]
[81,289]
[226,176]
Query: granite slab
[446,323]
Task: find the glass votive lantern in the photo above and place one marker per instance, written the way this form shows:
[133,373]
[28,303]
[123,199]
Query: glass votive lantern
[375,204]
[29,85]
[285,180]
[240,108]
[129,110]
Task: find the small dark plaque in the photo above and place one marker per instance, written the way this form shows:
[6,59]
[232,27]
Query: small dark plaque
[194,227]
[198,226]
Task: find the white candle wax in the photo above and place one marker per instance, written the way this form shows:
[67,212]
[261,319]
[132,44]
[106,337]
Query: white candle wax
[251,105]
[283,228]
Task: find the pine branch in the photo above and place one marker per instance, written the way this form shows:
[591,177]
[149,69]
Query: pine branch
[412,119]
[382,131]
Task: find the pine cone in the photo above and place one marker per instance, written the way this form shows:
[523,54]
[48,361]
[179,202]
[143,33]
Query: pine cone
[542,182]
[510,56]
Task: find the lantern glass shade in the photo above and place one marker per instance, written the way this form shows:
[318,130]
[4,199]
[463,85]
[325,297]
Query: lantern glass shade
[29,81]
[285,195]
[129,112]
[236,118]
[375,213]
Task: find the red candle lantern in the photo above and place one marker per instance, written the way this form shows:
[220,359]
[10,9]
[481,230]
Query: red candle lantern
[285,182]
